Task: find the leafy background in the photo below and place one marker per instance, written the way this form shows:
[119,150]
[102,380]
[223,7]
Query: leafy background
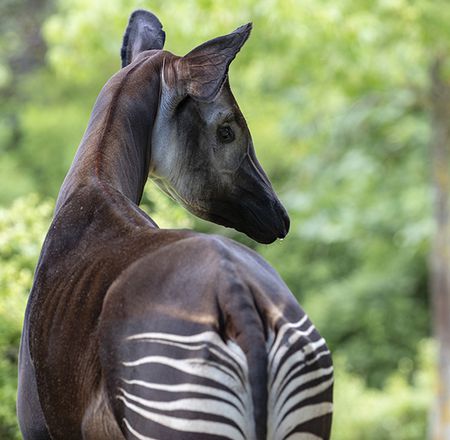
[335,93]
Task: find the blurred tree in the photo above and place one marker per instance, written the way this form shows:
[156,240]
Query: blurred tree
[440,257]
[336,107]
[335,94]
[22,52]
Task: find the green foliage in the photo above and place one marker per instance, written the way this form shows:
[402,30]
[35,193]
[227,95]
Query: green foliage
[22,230]
[335,94]
[396,412]
[164,211]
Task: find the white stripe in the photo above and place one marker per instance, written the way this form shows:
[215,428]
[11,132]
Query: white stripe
[283,329]
[283,407]
[276,389]
[296,357]
[205,406]
[191,388]
[187,425]
[303,436]
[208,336]
[194,366]
[135,433]
[218,353]
[300,367]
[285,371]
[298,381]
[296,334]
[302,415]
[275,357]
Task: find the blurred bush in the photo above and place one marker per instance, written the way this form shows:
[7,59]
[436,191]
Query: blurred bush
[22,230]
[335,94]
[398,411]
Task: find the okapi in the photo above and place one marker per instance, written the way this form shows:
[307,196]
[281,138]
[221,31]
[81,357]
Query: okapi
[136,332]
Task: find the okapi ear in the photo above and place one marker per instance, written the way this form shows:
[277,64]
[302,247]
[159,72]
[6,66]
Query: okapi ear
[204,69]
[144,32]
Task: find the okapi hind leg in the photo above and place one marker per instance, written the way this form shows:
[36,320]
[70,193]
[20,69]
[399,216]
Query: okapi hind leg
[98,420]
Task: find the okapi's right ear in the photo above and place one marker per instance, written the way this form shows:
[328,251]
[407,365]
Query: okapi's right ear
[144,32]
[204,70]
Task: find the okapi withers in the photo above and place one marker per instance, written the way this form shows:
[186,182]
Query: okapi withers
[132,331]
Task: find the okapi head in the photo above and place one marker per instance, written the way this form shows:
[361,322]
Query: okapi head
[202,152]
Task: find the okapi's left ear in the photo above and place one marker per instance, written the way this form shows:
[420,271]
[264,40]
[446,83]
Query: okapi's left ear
[144,32]
[204,69]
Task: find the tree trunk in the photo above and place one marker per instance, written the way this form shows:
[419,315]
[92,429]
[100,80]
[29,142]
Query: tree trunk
[440,256]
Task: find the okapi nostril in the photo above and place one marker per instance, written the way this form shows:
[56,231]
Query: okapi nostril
[284,221]
[282,234]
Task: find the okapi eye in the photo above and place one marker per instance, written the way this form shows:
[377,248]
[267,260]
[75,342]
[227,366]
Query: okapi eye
[225,134]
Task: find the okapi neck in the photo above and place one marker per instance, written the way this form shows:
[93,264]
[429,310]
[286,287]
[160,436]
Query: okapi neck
[116,147]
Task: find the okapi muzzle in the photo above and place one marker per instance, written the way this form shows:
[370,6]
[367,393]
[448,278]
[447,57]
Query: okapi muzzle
[253,207]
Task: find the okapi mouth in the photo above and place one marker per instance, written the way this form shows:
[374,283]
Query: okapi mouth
[279,226]
[263,223]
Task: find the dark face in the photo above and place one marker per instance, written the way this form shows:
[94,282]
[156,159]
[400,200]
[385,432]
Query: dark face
[201,150]
[203,156]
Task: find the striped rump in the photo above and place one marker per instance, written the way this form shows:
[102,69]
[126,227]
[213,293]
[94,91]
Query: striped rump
[197,386]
